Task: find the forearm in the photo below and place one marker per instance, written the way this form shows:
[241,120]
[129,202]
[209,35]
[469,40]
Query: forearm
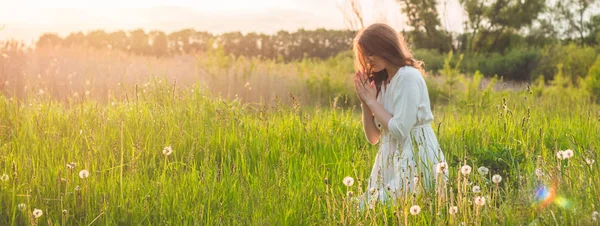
[380,113]
[371,131]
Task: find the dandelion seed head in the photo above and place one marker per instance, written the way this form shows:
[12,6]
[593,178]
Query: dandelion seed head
[37,213]
[595,215]
[77,188]
[414,210]
[465,170]
[453,210]
[349,193]
[589,161]
[483,170]
[65,212]
[496,178]
[348,181]
[416,180]
[476,189]
[561,155]
[373,190]
[568,153]
[441,168]
[84,174]
[480,200]
[167,150]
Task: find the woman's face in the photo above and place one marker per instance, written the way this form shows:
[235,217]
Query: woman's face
[376,63]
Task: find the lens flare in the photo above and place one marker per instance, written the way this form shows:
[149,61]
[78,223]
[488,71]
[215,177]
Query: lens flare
[545,196]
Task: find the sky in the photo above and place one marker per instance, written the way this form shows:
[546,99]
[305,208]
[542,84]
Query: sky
[27,19]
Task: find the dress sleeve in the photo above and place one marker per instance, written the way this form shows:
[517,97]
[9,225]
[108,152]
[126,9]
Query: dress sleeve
[406,97]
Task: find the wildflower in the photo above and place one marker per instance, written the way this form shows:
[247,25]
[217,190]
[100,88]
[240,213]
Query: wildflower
[560,155]
[349,193]
[480,200]
[348,181]
[71,165]
[414,210]
[21,207]
[496,179]
[453,210]
[476,189]
[416,180]
[595,215]
[65,212]
[589,161]
[568,153]
[37,213]
[84,174]
[373,190]
[77,188]
[441,167]
[483,170]
[167,150]
[465,170]
[4,177]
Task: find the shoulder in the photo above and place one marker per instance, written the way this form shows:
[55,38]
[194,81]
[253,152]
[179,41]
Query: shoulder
[409,75]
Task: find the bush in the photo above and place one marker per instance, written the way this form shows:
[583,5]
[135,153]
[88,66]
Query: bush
[576,61]
[434,61]
[593,78]
[516,64]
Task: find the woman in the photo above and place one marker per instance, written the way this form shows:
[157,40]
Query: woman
[397,114]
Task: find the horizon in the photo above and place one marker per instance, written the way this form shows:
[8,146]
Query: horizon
[265,16]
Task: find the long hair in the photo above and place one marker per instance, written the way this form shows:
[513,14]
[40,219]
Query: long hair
[382,40]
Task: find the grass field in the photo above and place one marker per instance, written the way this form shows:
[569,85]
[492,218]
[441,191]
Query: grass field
[283,162]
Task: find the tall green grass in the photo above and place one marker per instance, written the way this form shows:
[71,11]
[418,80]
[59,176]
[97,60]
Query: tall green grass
[283,163]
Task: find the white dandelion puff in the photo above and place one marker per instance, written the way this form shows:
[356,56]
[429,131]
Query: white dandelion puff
[414,210]
[483,170]
[21,206]
[84,174]
[476,189]
[560,155]
[496,179]
[77,188]
[595,215]
[480,200]
[65,212]
[348,181]
[568,153]
[441,168]
[465,170]
[4,177]
[453,210]
[416,180]
[167,150]
[589,161]
[373,190]
[37,213]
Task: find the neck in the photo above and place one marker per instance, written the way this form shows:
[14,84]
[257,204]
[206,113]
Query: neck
[391,70]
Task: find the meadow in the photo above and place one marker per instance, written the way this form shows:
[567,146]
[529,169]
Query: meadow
[93,137]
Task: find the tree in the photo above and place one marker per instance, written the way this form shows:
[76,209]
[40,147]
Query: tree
[424,19]
[49,39]
[573,14]
[159,43]
[492,20]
